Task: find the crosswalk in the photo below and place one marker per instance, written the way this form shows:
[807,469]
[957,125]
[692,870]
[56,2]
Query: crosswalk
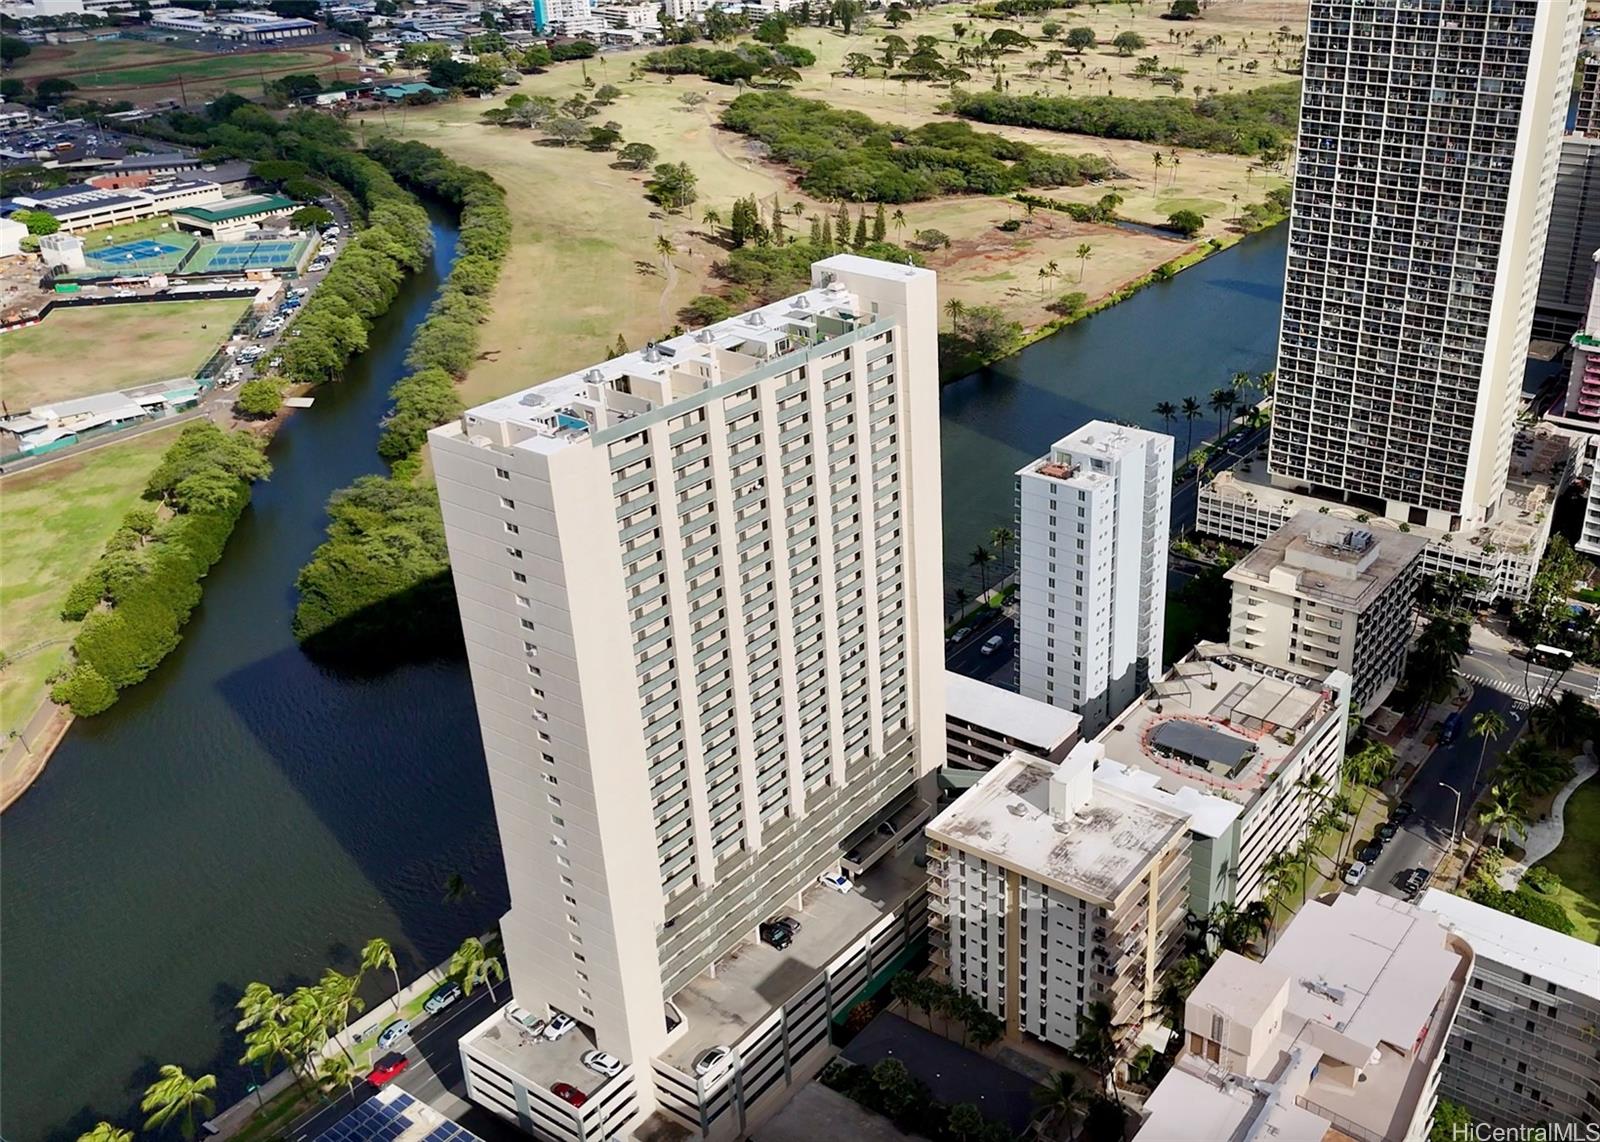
[1518,689]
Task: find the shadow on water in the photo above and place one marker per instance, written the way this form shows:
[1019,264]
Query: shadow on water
[245,813]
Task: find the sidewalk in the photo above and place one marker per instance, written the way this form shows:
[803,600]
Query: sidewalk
[1544,836]
[26,755]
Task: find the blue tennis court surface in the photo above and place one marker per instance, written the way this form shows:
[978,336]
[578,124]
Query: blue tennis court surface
[140,250]
[246,255]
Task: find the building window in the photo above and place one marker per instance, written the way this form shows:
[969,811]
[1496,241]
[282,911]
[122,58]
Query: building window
[502,474]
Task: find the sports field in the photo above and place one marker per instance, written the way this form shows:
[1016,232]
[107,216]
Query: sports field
[144,72]
[94,349]
[138,256]
[268,255]
[53,522]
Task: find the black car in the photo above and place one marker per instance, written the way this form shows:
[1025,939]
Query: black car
[1387,830]
[776,935]
[1402,812]
[1417,880]
[1370,853]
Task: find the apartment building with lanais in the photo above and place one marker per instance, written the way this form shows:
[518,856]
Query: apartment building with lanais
[1429,135]
[701,591]
[1093,518]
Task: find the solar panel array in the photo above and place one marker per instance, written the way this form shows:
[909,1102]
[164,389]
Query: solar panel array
[386,1119]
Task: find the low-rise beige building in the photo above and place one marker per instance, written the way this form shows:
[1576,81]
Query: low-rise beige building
[1322,594]
[1050,890]
[984,723]
[1338,1035]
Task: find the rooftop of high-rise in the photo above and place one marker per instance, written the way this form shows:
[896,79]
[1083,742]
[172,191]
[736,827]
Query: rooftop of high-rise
[1218,723]
[1333,1036]
[1093,844]
[1335,561]
[589,403]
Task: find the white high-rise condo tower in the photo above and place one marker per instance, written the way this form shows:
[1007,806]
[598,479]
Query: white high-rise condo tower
[701,591]
[1092,526]
[1429,134]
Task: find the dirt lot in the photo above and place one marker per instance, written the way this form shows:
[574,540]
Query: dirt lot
[584,267]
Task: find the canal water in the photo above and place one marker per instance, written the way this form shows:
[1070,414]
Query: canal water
[245,814]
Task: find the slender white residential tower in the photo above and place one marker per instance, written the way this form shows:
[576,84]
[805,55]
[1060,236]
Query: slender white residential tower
[701,591]
[1429,137]
[1093,518]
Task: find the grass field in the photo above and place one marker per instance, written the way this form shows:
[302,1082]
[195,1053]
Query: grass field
[53,522]
[141,71]
[1250,30]
[77,352]
[1577,861]
[580,221]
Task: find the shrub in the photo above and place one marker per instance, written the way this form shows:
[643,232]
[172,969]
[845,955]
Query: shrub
[1238,123]
[1068,304]
[705,309]
[85,691]
[1011,225]
[1186,222]
[260,397]
[1541,879]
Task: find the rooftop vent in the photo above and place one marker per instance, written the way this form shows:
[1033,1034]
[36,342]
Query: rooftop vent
[650,353]
[755,319]
[594,376]
[704,336]
[530,400]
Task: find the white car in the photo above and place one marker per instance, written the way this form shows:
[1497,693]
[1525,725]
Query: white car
[602,1063]
[558,1026]
[713,1061]
[991,644]
[393,1033]
[1355,872]
[317,266]
[525,1019]
[834,880]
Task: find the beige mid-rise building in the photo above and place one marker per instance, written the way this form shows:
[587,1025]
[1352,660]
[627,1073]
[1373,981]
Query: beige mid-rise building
[701,591]
[1322,595]
[1052,891]
[1336,1036]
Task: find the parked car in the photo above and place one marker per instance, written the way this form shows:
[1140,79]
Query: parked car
[566,1092]
[1415,880]
[1402,812]
[387,1068]
[393,1033]
[525,1019]
[713,1061]
[602,1063]
[1387,830]
[834,880]
[317,266]
[1370,852]
[790,923]
[961,634]
[443,997]
[1355,872]
[775,935]
[560,1024]
[991,644]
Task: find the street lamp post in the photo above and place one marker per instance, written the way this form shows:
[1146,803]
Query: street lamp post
[1455,819]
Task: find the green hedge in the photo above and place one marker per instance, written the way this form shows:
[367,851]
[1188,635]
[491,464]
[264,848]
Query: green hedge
[135,599]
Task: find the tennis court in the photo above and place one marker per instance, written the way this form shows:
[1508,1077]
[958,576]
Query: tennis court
[146,255]
[269,255]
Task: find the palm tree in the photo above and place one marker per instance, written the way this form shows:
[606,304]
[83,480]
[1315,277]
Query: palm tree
[1060,1098]
[473,965]
[955,308]
[1043,275]
[1222,400]
[1003,539]
[664,248]
[1097,1043]
[1313,790]
[1083,253]
[336,1071]
[711,220]
[174,1097]
[899,220]
[981,560]
[105,1132]
[1191,412]
[1503,813]
[1167,411]
[340,990]
[1366,767]
[378,954]
[1486,726]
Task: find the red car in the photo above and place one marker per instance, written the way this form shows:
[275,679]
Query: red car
[569,1093]
[388,1068]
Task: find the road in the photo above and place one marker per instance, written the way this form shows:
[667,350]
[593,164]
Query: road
[434,1075]
[1186,495]
[1424,839]
[1494,666]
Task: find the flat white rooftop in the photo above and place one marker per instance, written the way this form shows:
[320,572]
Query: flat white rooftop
[1034,723]
[1563,960]
[1094,855]
[1317,557]
[1217,723]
